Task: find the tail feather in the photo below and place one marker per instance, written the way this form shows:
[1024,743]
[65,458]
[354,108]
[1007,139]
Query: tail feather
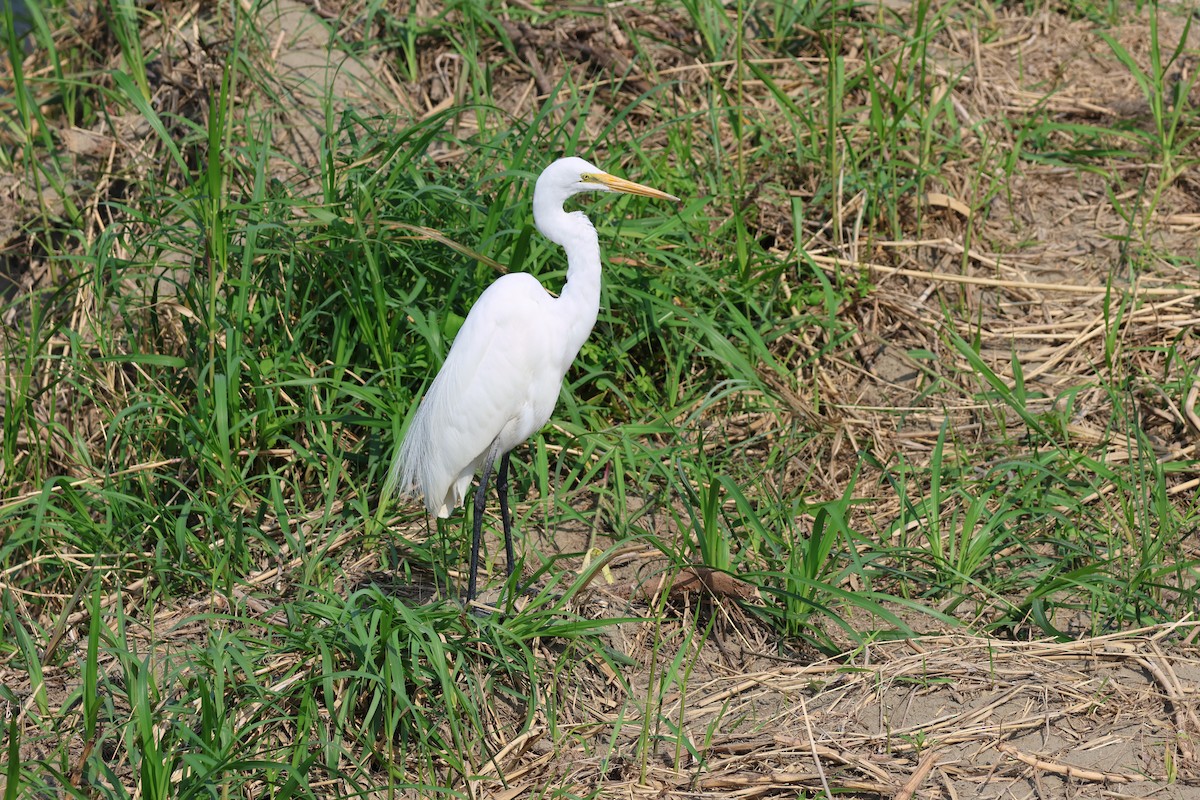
[402,476]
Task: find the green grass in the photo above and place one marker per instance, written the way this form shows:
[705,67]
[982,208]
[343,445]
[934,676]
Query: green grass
[198,585]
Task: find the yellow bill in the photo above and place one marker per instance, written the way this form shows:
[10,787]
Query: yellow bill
[615,184]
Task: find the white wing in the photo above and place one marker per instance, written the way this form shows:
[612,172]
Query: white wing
[498,386]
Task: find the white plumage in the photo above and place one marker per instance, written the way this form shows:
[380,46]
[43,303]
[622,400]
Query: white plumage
[501,380]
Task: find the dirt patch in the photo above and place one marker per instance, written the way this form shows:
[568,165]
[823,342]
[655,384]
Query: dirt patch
[949,716]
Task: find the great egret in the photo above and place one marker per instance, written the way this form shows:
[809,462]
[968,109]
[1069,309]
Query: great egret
[502,377]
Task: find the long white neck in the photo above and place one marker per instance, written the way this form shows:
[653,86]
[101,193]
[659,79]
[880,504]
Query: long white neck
[579,300]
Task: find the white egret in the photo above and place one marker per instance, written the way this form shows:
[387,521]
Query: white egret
[501,379]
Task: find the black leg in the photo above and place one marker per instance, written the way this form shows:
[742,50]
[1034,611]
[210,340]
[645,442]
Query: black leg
[505,517]
[477,533]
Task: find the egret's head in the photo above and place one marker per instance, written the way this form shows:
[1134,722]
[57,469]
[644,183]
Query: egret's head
[570,176]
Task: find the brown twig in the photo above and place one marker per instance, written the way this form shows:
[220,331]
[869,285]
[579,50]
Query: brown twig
[1069,770]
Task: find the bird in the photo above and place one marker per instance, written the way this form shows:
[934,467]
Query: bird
[500,381]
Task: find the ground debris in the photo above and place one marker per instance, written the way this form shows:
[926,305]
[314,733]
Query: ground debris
[940,716]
